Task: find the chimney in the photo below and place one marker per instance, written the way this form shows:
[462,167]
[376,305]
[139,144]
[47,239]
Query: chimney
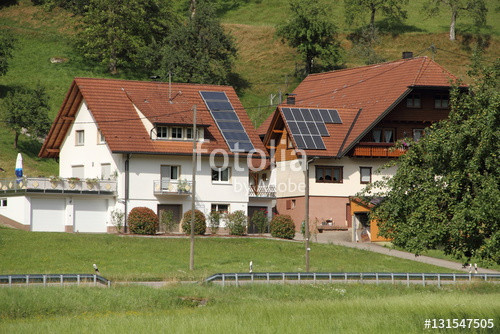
[290,98]
[407,54]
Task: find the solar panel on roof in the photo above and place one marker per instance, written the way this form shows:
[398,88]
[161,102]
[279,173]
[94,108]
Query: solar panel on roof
[322,129]
[306,126]
[335,116]
[228,121]
[306,114]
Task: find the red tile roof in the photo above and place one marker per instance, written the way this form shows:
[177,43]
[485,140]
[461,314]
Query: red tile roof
[112,102]
[364,95]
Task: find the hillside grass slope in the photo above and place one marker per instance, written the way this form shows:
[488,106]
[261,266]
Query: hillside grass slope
[264,63]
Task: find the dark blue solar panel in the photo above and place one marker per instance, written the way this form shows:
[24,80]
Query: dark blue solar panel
[318,141]
[225,116]
[230,126]
[306,114]
[325,114]
[335,116]
[293,127]
[218,105]
[240,146]
[236,136]
[309,142]
[288,114]
[297,114]
[322,129]
[227,120]
[221,96]
[316,115]
[303,128]
[312,128]
[299,141]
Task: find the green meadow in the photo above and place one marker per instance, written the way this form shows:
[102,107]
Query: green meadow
[127,258]
[322,308]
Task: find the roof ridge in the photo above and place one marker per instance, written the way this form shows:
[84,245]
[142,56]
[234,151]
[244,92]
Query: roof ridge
[151,82]
[366,66]
[420,71]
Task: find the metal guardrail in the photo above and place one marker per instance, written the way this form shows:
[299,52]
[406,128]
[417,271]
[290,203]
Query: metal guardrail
[52,279]
[298,277]
[172,187]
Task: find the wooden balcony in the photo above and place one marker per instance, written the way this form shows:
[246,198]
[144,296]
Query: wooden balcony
[377,150]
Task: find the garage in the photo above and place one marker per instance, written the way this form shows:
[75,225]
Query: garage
[91,215]
[47,214]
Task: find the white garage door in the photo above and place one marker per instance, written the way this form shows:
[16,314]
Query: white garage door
[91,215]
[47,214]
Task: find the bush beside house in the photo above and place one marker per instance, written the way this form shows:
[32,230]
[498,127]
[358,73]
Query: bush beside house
[142,220]
[282,226]
[200,224]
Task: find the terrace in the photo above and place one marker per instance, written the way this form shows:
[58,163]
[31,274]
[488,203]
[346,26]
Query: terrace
[58,186]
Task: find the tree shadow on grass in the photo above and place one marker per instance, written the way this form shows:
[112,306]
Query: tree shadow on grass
[395,28]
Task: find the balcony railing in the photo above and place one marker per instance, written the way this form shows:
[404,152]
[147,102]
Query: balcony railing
[172,187]
[60,185]
[263,191]
[378,150]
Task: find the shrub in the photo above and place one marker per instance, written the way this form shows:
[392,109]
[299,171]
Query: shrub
[142,220]
[260,221]
[236,222]
[282,226]
[117,217]
[214,219]
[200,224]
[167,220]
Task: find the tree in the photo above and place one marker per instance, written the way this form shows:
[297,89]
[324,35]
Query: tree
[356,9]
[311,32]
[6,47]
[197,51]
[446,189]
[475,8]
[27,110]
[115,31]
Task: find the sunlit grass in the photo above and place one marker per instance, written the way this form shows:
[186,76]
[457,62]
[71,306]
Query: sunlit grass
[247,309]
[144,258]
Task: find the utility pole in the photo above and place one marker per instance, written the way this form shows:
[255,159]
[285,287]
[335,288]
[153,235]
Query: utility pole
[308,249]
[193,193]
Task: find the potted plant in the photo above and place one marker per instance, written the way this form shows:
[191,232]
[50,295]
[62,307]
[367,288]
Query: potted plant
[183,186]
[73,181]
[54,180]
[91,182]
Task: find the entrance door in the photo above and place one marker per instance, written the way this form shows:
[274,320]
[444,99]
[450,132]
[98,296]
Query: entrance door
[252,229]
[171,212]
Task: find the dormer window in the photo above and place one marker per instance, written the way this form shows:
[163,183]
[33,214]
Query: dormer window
[413,101]
[162,132]
[177,133]
[441,101]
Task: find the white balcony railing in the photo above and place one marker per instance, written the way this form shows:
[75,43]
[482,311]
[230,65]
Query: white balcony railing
[262,191]
[172,187]
[60,185]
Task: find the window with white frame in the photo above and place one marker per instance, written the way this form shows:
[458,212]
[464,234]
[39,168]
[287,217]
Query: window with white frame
[100,137]
[79,137]
[189,133]
[221,208]
[78,171]
[221,174]
[365,174]
[105,171]
[176,133]
[162,132]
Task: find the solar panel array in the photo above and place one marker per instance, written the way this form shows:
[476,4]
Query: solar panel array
[228,121]
[307,126]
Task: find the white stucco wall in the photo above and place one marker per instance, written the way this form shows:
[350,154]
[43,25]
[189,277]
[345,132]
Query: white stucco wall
[90,155]
[290,178]
[17,209]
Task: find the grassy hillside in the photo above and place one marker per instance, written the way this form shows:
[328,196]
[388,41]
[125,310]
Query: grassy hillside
[264,62]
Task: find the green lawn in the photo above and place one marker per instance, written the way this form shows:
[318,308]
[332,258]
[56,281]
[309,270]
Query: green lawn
[322,308]
[145,258]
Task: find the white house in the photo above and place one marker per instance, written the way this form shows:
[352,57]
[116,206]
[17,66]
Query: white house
[344,124]
[125,144]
